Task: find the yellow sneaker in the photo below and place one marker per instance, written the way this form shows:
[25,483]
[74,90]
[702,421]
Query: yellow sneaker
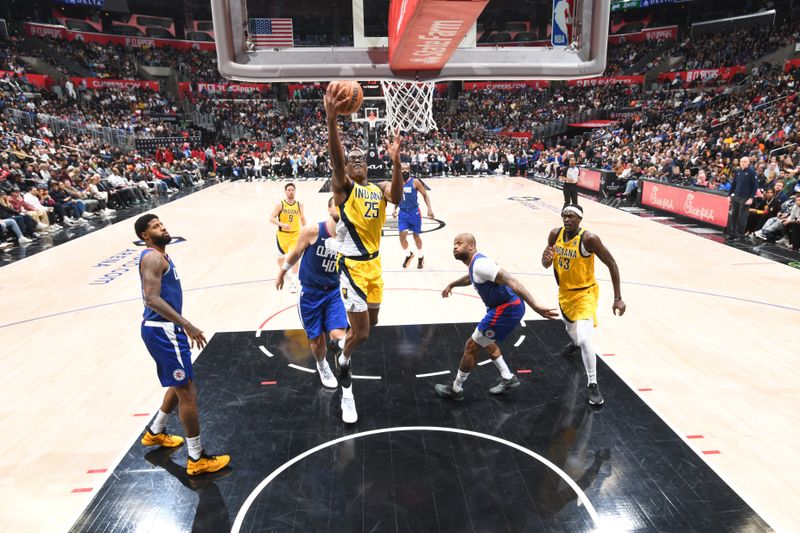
[207,463]
[161,439]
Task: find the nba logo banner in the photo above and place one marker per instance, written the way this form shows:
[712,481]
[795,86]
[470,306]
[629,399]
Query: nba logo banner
[562,22]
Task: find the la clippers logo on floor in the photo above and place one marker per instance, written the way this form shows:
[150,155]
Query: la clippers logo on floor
[178,375]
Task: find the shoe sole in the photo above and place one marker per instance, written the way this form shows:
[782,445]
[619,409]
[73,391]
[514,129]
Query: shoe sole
[408,261]
[601,402]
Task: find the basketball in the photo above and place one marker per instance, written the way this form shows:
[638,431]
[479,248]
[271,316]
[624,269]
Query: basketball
[355,95]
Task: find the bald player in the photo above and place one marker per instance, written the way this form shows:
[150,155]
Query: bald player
[503,295]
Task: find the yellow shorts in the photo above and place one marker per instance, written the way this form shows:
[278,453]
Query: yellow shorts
[286,241]
[361,283]
[579,304]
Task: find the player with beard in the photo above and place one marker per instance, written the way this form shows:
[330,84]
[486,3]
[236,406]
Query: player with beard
[503,296]
[166,333]
[362,212]
[320,307]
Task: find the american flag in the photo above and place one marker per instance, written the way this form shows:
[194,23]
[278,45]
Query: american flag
[270,33]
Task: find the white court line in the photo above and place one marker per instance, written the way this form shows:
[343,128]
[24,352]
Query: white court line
[258,333]
[522,323]
[429,374]
[519,341]
[237,524]
[485,362]
[266,352]
[365,377]
[304,369]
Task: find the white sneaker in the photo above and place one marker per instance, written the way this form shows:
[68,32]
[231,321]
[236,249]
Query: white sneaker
[55,227]
[70,221]
[326,375]
[82,222]
[109,211]
[42,227]
[25,240]
[349,414]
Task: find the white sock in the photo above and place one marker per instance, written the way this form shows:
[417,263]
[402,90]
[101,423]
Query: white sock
[409,253]
[458,383]
[419,251]
[341,343]
[344,360]
[160,422]
[502,367]
[195,448]
[347,392]
[583,330]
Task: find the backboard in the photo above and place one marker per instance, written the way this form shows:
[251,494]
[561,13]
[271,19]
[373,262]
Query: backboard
[322,40]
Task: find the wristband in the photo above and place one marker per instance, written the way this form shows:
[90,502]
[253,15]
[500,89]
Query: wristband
[286,266]
[617,299]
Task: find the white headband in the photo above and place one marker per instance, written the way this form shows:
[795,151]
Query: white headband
[572,209]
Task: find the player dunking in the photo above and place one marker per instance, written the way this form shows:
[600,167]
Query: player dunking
[571,251]
[362,212]
[321,309]
[166,334]
[289,217]
[410,217]
[503,295]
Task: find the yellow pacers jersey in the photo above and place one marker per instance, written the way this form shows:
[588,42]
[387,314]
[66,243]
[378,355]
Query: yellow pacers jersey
[577,289]
[290,214]
[361,218]
[574,266]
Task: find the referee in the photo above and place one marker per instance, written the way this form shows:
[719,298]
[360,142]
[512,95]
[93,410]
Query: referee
[570,180]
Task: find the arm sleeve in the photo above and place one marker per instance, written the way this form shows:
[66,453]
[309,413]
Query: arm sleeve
[484,269]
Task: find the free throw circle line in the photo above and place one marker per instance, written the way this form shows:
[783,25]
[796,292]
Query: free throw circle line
[237,524]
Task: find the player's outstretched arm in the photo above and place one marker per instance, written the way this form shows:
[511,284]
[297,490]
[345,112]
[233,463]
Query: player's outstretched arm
[463,281]
[549,251]
[593,244]
[504,278]
[421,188]
[393,149]
[339,179]
[152,268]
[307,235]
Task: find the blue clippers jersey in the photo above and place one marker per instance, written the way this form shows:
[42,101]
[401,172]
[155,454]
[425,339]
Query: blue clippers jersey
[318,266]
[171,290]
[409,200]
[492,294]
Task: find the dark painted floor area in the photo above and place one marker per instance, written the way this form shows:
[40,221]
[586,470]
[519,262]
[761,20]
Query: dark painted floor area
[633,469]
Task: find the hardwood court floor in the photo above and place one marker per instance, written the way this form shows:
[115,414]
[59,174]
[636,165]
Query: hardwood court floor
[709,340]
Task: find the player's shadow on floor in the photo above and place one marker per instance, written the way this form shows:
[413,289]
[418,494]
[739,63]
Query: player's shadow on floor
[212,515]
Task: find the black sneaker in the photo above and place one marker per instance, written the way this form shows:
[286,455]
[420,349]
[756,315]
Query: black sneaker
[420,262]
[445,390]
[505,385]
[569,350]
[407,260]
[593,392]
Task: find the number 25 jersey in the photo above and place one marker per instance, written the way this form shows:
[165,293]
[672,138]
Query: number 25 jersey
[361,219]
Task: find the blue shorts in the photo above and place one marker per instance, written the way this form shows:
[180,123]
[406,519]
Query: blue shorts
[410,220]
[169,347]
[321,311]
[499,322]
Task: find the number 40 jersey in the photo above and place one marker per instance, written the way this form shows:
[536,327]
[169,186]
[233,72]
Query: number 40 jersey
[318,265]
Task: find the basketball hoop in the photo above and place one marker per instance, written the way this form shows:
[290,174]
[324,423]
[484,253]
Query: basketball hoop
[409,105]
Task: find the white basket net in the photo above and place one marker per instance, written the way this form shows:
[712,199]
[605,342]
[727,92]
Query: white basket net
[409,105]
